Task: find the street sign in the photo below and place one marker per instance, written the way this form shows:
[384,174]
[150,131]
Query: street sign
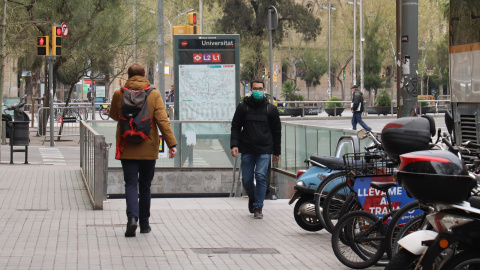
[64,30]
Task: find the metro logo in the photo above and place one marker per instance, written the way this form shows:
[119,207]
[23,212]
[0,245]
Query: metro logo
[216,57]
[197,58]
[207,57]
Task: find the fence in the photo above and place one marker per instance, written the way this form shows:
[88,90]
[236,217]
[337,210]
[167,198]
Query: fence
[66,120]
[94,164]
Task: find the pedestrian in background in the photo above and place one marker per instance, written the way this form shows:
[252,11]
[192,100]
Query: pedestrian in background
[358,106]
[138,160]
[171,94]
[256,133]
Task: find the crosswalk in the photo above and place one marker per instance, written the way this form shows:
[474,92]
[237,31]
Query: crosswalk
[52,156]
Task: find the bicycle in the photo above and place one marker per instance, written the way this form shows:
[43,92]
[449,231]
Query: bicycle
[105,112]
[334,179]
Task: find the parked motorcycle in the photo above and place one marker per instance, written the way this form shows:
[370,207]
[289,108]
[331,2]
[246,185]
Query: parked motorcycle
[18,114]
[320,167]
[440,179]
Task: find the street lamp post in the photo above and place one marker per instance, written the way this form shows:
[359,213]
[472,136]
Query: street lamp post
[362,39]
[354,72]
[329,90]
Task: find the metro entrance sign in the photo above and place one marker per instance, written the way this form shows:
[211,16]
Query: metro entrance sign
[207,76]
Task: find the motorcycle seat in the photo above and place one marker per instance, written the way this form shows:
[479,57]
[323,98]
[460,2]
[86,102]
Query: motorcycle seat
[474,201]
[329,161]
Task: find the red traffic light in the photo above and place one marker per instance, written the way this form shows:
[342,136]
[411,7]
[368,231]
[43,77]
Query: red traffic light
[58,31]
[195,18]
[41,41]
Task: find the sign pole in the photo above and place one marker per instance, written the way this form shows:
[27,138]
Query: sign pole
[50,60]
[271,25]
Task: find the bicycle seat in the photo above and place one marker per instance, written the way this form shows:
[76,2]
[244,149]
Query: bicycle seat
[329,161]
[383,186]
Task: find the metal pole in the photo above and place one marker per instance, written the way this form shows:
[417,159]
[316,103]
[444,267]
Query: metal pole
[2,52]
[355,42]
[50,87]
[161,53]
[270,51]
[362,85]
[399,55]
[329,75]
[134,31]
[200,9]
[409,57]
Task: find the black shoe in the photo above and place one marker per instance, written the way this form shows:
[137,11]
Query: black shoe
[131,227]
[257,213]
[250,204]
[145,228]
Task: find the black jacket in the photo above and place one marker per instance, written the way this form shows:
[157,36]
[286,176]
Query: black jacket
[256,127]
[357,101]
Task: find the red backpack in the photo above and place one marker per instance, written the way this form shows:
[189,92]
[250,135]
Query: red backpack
[135,120]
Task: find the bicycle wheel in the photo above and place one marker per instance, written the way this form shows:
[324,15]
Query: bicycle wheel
[104,114]
[411,226]
[333,204]
[325,186]
[364,233]
[396,225]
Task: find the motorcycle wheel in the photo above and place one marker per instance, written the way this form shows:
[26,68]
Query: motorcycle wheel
[465,260]
[306,222]
[403,260]
[327,184]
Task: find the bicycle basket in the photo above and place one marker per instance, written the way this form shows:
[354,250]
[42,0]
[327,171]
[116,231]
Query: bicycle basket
[368,163]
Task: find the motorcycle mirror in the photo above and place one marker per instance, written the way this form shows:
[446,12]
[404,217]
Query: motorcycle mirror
[362,134]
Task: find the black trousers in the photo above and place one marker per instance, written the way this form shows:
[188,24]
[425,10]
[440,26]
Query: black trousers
[138,173]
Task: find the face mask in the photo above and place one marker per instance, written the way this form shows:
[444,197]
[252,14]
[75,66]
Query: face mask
[257,95]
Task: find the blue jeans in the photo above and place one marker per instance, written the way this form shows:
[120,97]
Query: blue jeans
[255,165]
[138,173]
[357,118]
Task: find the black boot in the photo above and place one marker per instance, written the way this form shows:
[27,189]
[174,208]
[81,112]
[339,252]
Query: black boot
[131,227]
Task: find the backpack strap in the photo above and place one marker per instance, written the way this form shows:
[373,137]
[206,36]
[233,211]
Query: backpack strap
[147,89]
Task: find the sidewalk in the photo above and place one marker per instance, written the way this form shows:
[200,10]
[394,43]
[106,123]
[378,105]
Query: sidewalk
[47,222]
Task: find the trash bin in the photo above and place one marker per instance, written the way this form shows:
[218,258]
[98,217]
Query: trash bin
[19,136]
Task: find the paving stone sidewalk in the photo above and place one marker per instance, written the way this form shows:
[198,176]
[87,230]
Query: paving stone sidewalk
[47,222]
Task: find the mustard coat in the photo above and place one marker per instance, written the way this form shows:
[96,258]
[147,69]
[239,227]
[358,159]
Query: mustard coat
[148,149]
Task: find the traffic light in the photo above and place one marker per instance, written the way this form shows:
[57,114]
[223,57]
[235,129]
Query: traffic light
[179,30]
[264,73]
[42,46]
[192,18]
[344,73]
[268,75]
[56,40]
[193,30]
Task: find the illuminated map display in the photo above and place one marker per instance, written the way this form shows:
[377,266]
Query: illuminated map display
[207,92]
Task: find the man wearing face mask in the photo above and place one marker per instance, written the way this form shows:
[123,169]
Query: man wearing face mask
[256,133]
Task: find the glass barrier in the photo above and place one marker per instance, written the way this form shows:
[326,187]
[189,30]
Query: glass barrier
[206,144]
